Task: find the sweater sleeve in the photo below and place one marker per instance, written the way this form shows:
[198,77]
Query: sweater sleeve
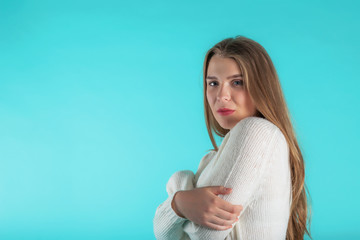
[240,165]
[167,224]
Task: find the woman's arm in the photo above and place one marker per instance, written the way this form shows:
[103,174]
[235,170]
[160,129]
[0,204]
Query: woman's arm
[241,166]
[167,224]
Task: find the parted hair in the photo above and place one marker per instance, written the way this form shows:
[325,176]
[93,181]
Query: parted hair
[262,83]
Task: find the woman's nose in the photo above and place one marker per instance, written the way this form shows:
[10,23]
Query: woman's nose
[223,94]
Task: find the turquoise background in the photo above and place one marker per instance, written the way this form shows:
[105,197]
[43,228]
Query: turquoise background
[101,102]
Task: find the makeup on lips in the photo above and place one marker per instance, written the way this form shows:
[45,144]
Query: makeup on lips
[225,111]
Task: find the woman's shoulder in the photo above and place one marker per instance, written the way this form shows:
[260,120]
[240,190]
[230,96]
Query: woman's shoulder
[254,122]
[257,127]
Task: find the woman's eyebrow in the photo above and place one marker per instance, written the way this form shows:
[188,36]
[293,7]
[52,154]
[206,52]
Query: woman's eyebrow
[233,76]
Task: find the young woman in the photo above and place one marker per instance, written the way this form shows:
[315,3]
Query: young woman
[259,159]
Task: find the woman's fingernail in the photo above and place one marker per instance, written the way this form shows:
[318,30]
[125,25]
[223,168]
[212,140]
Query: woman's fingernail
[238,217]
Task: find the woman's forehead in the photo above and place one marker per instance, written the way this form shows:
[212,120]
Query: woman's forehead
[223,67]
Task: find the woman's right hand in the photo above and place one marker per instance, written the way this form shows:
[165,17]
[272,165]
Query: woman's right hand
[202,206]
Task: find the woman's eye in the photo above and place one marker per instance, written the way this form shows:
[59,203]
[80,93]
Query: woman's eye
[240,82]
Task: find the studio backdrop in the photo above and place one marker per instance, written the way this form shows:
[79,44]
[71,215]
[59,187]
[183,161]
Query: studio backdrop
[102,101]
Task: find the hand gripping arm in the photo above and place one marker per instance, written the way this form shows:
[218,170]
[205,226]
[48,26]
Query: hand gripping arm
[241,166]
[167,224]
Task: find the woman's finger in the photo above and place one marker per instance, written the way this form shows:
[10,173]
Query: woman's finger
[220,221]
[217,227]
[225,215]
[228,207]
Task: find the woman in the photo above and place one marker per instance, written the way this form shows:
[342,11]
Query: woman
[259,158]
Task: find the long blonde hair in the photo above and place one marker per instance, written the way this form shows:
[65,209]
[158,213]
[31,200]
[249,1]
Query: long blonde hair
[262,83]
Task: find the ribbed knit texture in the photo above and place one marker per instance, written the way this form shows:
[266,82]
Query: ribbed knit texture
[253,160]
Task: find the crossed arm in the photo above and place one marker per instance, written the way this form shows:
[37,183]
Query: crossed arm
[167,224]
[240,165]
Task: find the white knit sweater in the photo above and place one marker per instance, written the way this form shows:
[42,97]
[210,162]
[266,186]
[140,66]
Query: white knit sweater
[253,160]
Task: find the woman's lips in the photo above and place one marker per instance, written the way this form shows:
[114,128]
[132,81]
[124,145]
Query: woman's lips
[225,113]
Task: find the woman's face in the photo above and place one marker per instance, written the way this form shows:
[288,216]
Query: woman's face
[225,89]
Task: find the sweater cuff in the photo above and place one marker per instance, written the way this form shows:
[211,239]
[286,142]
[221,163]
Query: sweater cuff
[171,214]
